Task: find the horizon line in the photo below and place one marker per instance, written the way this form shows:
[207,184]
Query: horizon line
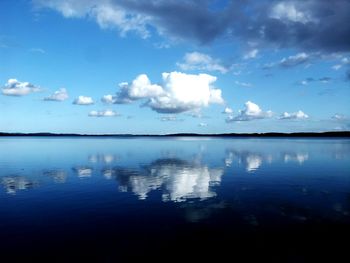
[271,134]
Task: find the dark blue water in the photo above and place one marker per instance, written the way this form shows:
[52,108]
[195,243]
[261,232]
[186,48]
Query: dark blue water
[117,200]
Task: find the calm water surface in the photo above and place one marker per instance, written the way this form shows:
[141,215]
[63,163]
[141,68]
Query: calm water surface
[116,200]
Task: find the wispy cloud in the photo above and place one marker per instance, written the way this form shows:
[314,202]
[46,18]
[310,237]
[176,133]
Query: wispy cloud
[295,60]
[200,61]
[103,113]
[307,81]
[170,118]
[243,84]
[251,54]
[37,50]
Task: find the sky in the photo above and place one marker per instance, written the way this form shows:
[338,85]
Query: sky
[166,66]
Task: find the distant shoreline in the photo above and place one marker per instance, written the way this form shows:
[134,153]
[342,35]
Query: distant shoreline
[268,134]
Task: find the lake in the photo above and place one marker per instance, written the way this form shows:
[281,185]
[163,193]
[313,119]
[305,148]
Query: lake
[65,199]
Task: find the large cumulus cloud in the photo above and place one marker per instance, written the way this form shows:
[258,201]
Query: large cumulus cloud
[178,92]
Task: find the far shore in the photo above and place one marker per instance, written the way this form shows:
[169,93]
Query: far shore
[269,134]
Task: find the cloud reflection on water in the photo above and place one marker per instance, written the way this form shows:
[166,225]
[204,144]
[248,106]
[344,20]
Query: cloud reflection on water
[251,160]
[14,183]
[297,157]
[83,171]
[102,158]
[59,176]
[179,180]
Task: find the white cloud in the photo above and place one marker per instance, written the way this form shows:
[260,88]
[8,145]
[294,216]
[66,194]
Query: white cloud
[228,110]
[83,100]
[251,54]
[140,88]
[251,112]
[299,115]
[200,61]
[179,92]
[109,99]
[59,95]
[202,124]
[103,113]
[289,12]
[243,84]
[13,87]
[295,60]
[184,92]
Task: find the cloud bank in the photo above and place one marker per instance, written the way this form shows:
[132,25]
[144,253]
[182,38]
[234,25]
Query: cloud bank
[307,25]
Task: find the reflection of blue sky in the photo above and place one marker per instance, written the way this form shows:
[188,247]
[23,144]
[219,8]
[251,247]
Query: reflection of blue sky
[296,179]
[189,168]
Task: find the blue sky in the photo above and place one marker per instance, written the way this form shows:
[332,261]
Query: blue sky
[109,66]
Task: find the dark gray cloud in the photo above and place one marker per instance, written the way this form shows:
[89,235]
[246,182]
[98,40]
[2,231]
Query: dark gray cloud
[317,25]
[309,24]
[182,18]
